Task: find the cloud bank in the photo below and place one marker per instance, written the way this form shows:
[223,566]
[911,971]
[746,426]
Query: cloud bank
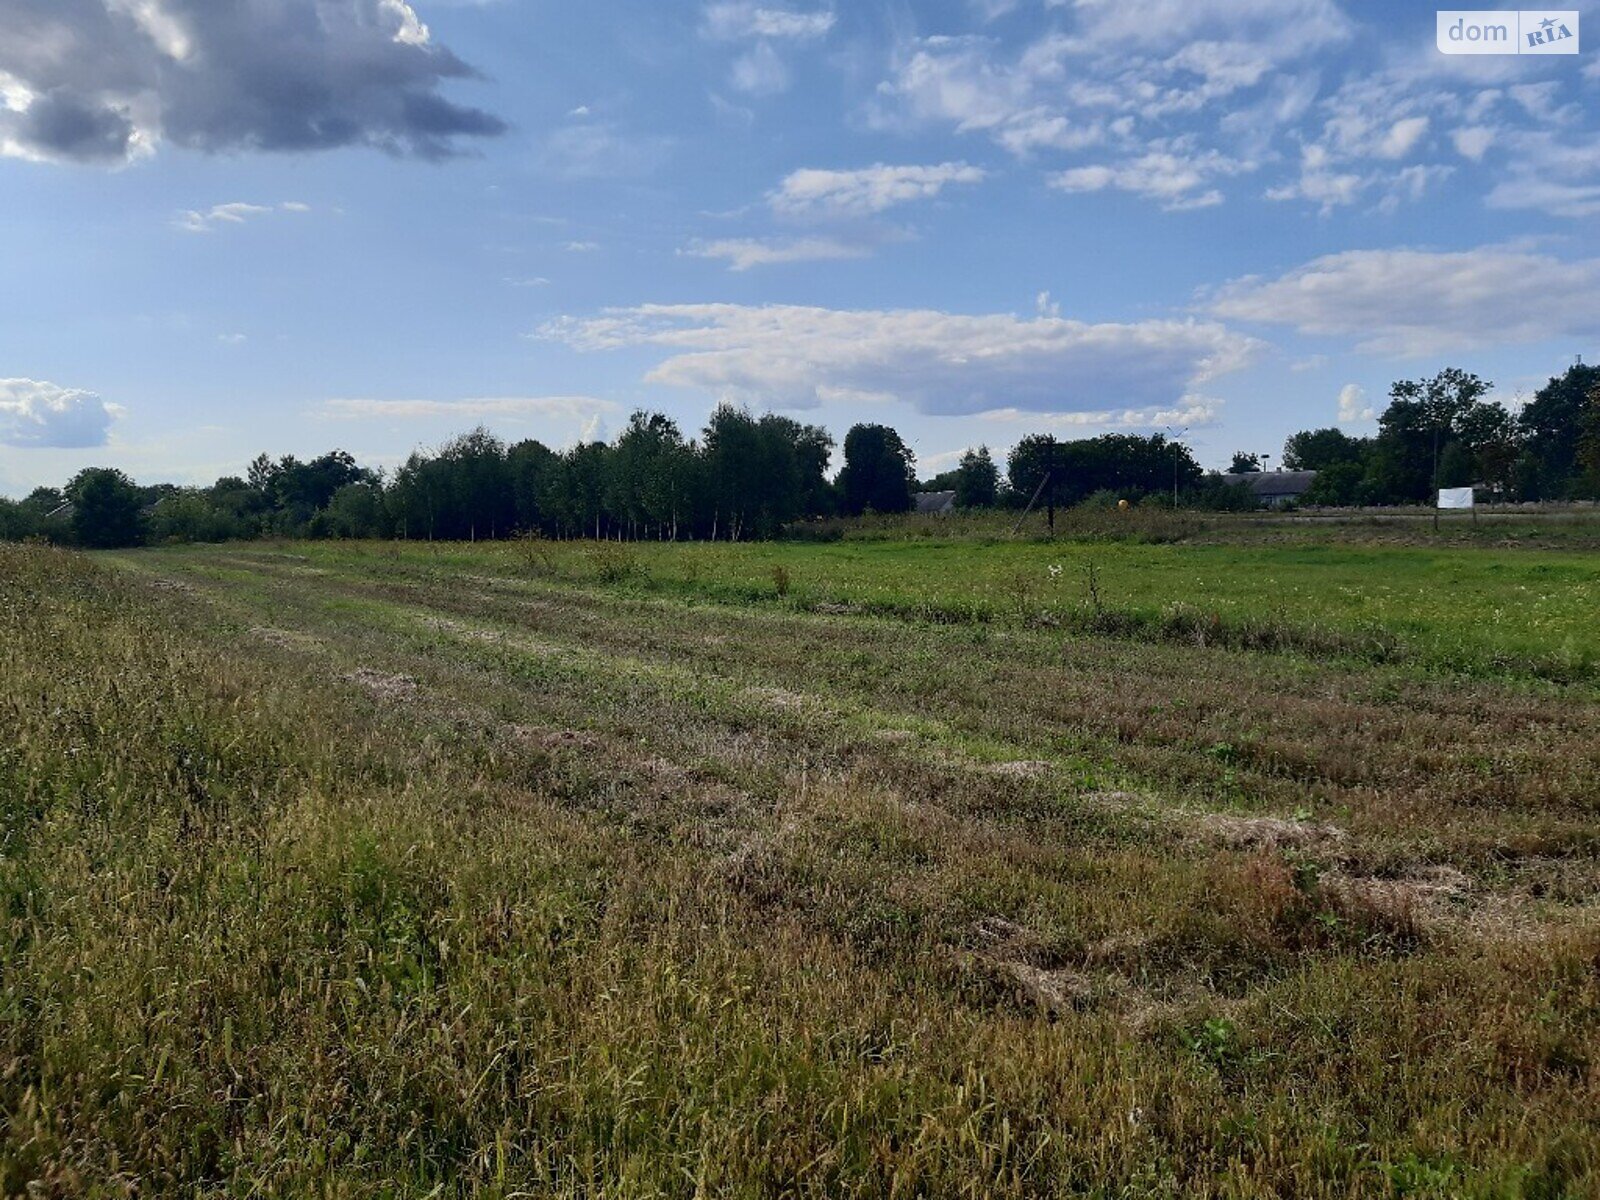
[793,357]
[105,81]
[1420,302]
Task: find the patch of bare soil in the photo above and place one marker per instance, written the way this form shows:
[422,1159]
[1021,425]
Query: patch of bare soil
[386,687]
[171,585]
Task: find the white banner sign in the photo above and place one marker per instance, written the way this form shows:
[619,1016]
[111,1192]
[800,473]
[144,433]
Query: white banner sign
[1455,497]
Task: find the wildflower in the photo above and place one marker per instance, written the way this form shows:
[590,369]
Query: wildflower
[1055,570]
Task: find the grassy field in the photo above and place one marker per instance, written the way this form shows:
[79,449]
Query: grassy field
[1531,612]
[897,869]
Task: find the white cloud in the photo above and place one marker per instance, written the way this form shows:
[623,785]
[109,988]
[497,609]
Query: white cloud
[1173,179]
[1353,406]
[581,408]
[581,247]
[1473,141]
[1547,195]
[942,363]
[743,253]
[108,81]
[1282,28]
[1110,71]
[1402,137]
[867,190]
[1559,175]
[737,19]
[38,414]
[1193,411]
[234,213]
[1320,182]
[1420,302]
[759,72]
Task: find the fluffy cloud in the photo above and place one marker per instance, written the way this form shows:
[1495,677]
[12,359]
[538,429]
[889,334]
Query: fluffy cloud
[38,414]
[1113,67]
[1419,302]
[868,190]
[942,363]
[108,80]
[1173,177]
[743,253]
[1353,406]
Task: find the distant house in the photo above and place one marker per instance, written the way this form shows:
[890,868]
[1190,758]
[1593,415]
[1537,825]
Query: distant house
[1275,489]
[938,504]
[61,510]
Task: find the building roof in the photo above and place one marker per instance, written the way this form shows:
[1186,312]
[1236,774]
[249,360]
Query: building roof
[935,502]
[1266,484]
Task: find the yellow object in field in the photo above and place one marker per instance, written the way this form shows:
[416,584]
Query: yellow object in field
[1122,504]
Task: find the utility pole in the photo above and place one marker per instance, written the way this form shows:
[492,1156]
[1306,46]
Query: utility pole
[1176,435]
[1436,472]
[1049,475]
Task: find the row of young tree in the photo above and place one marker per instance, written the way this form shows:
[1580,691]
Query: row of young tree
[745,477]
[1443,432]
[749,476]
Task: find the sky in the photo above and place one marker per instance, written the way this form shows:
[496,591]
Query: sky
[230,227]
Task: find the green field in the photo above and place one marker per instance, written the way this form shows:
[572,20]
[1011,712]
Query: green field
[1527,611]
[873,868]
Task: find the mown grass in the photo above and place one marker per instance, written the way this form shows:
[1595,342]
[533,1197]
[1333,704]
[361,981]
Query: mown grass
[350,873]
[1487,612]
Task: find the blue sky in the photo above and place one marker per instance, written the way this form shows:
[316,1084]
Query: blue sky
[288,225]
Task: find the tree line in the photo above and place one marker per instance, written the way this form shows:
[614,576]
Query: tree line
[752,477]
[1442,432]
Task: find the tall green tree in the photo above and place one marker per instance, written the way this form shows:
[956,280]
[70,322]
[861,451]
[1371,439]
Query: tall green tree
[1320,449]
[879,471]
[1423,418]
[1552,427]
[977,481]
[528,466]
[106,509]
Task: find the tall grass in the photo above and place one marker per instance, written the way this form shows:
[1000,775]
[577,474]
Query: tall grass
[580,915]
